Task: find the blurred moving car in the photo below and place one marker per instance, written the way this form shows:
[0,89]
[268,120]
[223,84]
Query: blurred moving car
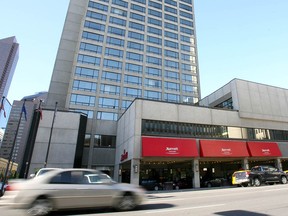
[42,171]
[241,178]
[4,188]
[64,189]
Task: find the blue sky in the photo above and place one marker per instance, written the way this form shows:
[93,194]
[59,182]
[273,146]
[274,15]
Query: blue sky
[236,39]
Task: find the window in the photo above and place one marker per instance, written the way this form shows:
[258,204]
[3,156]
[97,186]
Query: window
[86,72]
[171,35]
[83,100]
[171,75]
[172,54]
[187,39]
[170,9]
[97,16]
[132,92]
[171,44]
[137,17]
[155,5]
[84,86]
[89,113]
[118,12]
[140,1]
[134,56]
[186,30]
[113,52]
[107,116]
[98,6]
[187,88]
[188,67]
[136,26]
[171,2]
[189,78]
[185,14]
[155,13]
[120,3]
[110,89]
[170,18]
[186,22]
[126,104]
[116,31]
[112,64]
[172,86]
[87,140]
[185,7]
[171,26]
[111,76]
[86,59]
[171,97]
[138,8]
[136,46]
[153,83]
[155,50]
[187,48]
[171,64]
[187,57]
[115,41]
[108,103]
[91,48]
[152,95]
[92,36]
[134,68]
[95,26]
[136,36]
[105,141]
[153,71]
[154,40]
[117,21]
[154,21]
[155,31]
[154,60]
[133,80]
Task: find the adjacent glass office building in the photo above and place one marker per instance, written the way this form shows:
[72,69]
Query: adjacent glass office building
[112,51]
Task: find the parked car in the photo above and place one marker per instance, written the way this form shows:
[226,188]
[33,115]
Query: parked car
[214,182]
[241,178]
[152,184]
[64,189]
[266,174]
[183,184]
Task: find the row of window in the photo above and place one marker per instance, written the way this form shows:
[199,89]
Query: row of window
[152,60]
[80,85]
[87,100]
[138,36]
[119,53]
[163,128]
[185,10]
[104,141]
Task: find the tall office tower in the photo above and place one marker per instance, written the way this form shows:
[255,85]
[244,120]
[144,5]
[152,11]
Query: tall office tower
[9,54]
[112,51]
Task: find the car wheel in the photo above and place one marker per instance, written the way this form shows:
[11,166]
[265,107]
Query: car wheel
[127,202]
[257,182]
[156,188]
[41,206]
[283,180]
[177,187]
[209,184]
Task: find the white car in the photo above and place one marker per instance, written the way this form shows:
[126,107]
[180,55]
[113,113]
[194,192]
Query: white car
[64,189]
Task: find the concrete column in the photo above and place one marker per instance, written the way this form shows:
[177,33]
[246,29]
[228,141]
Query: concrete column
[135,171]
[278,164]
[245,164]
[117,171]
[195,169]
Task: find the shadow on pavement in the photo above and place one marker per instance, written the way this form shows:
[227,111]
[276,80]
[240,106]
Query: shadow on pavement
[239,213]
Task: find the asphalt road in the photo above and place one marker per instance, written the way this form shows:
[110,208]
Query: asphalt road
[236,201]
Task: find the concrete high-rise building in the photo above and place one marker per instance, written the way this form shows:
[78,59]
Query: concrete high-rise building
[9,49]
[113,51]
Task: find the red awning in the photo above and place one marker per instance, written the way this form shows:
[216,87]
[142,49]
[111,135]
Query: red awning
[264,149]
[223,148]
[168,147]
